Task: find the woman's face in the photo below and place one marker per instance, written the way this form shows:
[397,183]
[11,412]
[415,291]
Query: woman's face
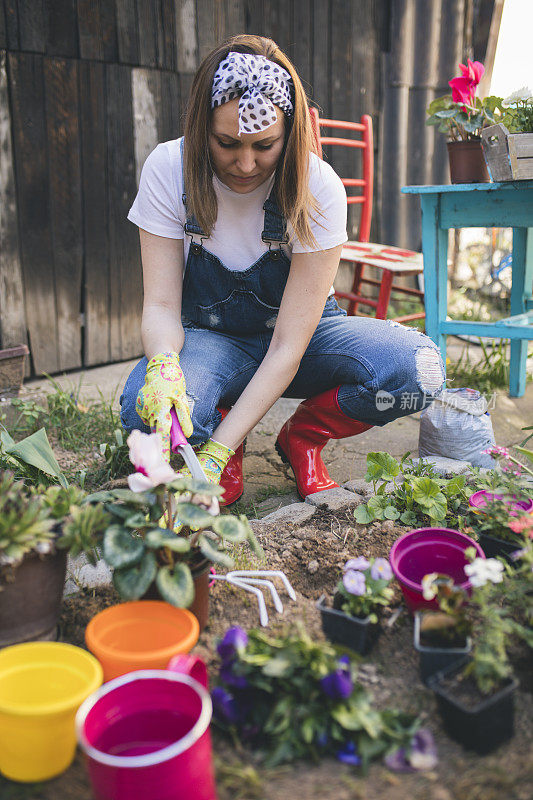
[246,161]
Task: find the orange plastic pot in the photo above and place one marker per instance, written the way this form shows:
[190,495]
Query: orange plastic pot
[143,634]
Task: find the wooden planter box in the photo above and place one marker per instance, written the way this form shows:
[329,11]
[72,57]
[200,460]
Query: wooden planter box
[509,156]
[12,370]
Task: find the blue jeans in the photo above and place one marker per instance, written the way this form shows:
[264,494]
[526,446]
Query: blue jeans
[385,371]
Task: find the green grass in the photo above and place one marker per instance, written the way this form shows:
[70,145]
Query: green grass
[491,373]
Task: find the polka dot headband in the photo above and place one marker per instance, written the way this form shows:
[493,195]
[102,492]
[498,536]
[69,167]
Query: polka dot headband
[259,83]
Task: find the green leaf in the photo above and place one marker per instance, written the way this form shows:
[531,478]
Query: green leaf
[362,514]
[121,548]
[36,451]
[135,520]
[161,537]
[377,505]
[132,582]
[211,551]
[192,515]
[381,467]
[176,585]
[391,513]
[525,451]
[277,667]
[252,540]
[445,113]
[408,518]
[230,528]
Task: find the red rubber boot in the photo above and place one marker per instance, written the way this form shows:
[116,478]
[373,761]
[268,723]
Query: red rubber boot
[303,436]
[231,479]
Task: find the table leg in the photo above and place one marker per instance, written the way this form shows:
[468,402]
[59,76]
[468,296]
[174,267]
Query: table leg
[435,253]
[521,288]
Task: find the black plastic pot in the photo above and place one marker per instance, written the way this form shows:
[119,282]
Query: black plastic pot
[353,632]
[483,727]
[493,547]
[436,659]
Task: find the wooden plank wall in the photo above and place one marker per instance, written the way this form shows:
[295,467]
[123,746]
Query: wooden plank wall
[87,89]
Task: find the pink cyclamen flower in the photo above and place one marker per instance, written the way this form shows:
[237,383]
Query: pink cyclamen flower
[473,70]
[463,91]
[146,455]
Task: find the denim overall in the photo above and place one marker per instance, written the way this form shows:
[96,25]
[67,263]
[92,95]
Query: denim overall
[385,370]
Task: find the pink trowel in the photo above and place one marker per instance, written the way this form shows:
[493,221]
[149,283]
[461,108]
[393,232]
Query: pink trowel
[179,444]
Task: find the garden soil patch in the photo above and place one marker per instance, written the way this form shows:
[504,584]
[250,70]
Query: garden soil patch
[312,556]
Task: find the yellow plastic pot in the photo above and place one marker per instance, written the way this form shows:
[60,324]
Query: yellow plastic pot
[42,684]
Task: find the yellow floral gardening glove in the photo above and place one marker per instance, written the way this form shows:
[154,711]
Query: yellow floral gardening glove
[164,387]
[213,457]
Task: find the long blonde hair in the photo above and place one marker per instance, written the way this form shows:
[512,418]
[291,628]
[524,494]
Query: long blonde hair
[292,172]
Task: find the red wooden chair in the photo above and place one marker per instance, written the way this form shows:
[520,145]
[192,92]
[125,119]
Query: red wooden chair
[391,261]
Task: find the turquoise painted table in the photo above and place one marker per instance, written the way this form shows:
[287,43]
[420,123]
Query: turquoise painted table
[479,205]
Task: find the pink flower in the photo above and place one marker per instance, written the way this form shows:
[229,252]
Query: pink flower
[146,455]
[473,70]
[463,91]
[522,524]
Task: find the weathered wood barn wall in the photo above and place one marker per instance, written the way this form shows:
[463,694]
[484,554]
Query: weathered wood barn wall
[88,87]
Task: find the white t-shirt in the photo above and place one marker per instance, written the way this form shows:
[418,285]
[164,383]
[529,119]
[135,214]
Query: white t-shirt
[236,237]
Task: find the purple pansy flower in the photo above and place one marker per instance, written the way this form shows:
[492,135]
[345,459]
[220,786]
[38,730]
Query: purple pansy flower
[337,685]
[354,582]
[231,678]
[422,754]
[349,755]
[360,562]
[224,705]
[381,570]
[344,662]
[234,641]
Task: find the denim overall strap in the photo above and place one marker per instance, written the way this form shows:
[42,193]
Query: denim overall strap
[275,229]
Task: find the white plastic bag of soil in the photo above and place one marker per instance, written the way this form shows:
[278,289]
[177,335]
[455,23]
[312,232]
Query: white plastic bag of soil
[457,425]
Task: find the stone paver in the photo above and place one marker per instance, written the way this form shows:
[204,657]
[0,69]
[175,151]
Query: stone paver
[297,513]
[81,573]
[334,499]
[359,486]
[447,466]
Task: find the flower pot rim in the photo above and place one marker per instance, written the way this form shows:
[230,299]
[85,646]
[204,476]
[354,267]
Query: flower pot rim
[423,648]
[14,352]
[435,684]
[323,608]
[472,501]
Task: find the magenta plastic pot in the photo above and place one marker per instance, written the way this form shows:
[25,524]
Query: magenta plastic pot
[146,735]
[425,550]
[479,500]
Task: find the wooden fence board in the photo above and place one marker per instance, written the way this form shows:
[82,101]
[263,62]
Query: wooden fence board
[233,18]
[168,56]
[12,24]
[321,56]
[302,48]
[170,121]
[62,28]
[127,32]
[12,315]
[32,26]
[3,31]
[147,14]
[125,277]
[147,103]
[253,16]
[95,216]
[61,95]
[97,30]
[186,36]
[33,198]
[206,26]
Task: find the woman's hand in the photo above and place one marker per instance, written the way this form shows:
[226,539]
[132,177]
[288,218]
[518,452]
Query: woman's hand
[310,278]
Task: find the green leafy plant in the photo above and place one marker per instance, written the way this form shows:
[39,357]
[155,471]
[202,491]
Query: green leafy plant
[164,526]
[364,587]
[419,496]
[31,458]
[518,116]
[25,524]
[291,697]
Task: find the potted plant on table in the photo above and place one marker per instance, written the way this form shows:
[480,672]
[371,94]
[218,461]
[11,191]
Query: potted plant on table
[166,531]
[475,697]
[462,116]
[508,145]
[362,592]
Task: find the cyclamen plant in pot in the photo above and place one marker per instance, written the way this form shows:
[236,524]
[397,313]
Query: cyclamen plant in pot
[362,591]
[476,697]
[166,531]
[462,116]
[290,697]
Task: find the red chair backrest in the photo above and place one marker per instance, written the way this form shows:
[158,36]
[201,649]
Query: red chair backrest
[365,143]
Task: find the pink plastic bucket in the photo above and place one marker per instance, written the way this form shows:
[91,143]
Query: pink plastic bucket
[146,735]
[479,500]
[425,550]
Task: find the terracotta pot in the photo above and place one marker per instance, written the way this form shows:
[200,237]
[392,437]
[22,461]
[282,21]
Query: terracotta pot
[467,162]
[30,604]
[200,604]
